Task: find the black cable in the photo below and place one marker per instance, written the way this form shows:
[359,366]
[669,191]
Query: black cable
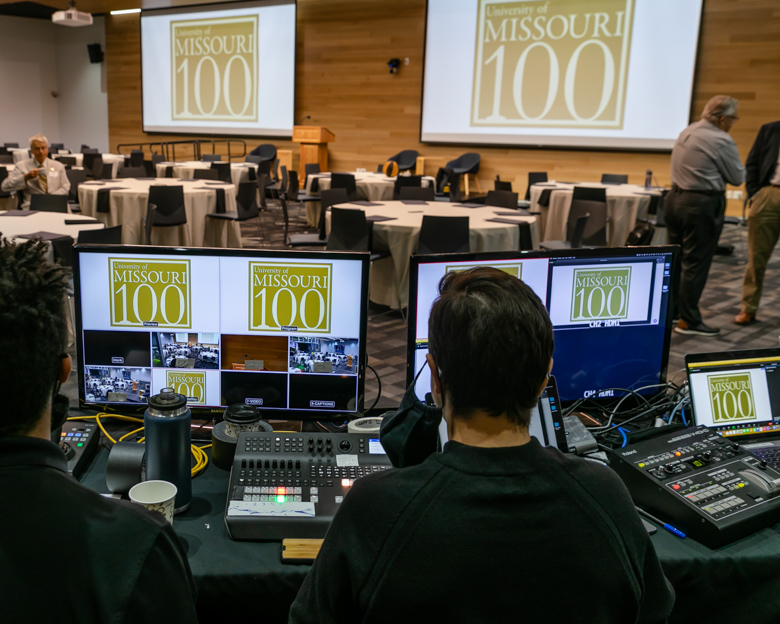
[379,391]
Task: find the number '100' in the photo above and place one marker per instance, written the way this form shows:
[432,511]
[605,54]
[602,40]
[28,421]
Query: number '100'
[554,81]
[161,305]
[297,314]
[220,88]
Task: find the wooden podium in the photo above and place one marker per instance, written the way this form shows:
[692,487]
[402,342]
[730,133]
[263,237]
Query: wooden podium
[314,145]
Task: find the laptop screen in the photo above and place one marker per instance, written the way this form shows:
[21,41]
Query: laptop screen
[736,393]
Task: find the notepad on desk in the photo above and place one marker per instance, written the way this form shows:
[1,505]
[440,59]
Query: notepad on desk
[376,218]
[364,203]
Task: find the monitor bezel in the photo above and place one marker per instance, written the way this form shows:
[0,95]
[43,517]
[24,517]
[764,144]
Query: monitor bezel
[584,253]
[210,411]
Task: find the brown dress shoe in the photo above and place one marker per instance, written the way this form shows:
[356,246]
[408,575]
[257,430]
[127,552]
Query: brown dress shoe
[743,318]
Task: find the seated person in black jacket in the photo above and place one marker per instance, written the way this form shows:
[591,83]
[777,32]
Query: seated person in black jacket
[67,553]
[496,528]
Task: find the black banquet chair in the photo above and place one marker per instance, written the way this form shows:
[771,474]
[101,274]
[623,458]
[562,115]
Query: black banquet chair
[246,205]
[466,165]
[405,182]
[106,236]
[223,171]
[534,177]
[345,181]
[132,172]
[49,203]
[406,160]
[205,174]
[165,208]
[266,152]
[501,199]
[443,235]
[614,178]
[425,193]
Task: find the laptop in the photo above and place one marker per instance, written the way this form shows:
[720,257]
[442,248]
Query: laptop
[546,424]
[737,394]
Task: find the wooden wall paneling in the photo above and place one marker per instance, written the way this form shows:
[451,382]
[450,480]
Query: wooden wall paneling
[343,83]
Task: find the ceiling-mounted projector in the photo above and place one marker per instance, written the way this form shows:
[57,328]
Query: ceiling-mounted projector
[72,17]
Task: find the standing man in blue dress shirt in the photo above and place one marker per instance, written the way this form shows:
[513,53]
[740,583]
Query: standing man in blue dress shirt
[704,160]
[38,175]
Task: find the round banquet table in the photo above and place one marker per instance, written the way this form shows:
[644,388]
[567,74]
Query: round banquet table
[239,172]
[389,277]
[127,207]
[625,204]
[13,225]
[371,186]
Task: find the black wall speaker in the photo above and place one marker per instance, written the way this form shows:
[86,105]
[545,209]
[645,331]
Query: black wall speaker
[95,53]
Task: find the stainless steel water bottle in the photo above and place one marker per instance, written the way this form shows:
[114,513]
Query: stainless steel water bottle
[167,423]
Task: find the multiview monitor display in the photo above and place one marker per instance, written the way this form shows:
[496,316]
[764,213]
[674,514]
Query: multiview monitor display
[610,310]
[283,331]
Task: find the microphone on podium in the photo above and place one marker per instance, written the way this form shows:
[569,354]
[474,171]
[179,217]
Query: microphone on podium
[302,120]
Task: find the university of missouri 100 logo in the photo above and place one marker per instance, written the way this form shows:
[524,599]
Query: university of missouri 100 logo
[554,64]
[731,397]
[190,383]
[289,298]
[150,293]
[214,69]
[600,294]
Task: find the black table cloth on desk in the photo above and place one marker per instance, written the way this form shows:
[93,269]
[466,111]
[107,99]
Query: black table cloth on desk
[237,581]
[246,581]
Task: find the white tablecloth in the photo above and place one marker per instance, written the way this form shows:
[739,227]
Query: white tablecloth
[389,277]
[369,186]
[625,203]
[239,172]
[128,207]
[54,222]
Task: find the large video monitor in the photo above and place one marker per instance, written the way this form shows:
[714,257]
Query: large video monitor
[283,331]
[610,310]
[559,73]
[224,69]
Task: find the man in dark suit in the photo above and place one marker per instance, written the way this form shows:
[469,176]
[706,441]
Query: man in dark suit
[763,189]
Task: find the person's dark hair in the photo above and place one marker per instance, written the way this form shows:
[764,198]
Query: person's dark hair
[33,332]
[492,341]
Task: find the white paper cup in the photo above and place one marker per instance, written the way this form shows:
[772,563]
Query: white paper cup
[155,495]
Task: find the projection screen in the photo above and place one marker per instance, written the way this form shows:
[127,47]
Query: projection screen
[225,69]
[566,73]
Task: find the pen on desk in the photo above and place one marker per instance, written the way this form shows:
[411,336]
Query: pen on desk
[665,525]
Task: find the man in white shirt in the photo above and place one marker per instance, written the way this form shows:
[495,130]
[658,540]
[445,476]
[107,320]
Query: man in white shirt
[38,175]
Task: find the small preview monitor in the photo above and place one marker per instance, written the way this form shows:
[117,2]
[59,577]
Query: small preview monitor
[610,310]
[736,393]
[282,331]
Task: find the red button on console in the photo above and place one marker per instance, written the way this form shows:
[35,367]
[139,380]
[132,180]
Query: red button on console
[675,487]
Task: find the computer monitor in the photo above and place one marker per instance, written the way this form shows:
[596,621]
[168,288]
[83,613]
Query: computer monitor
[610,310]
[283,331]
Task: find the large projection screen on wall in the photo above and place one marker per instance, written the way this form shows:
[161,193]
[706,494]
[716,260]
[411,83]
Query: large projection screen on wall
[559,73]
[226,69]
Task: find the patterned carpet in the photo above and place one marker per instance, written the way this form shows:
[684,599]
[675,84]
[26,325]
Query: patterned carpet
[386,344]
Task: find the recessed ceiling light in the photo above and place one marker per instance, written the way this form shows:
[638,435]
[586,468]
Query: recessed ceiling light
[125,11]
